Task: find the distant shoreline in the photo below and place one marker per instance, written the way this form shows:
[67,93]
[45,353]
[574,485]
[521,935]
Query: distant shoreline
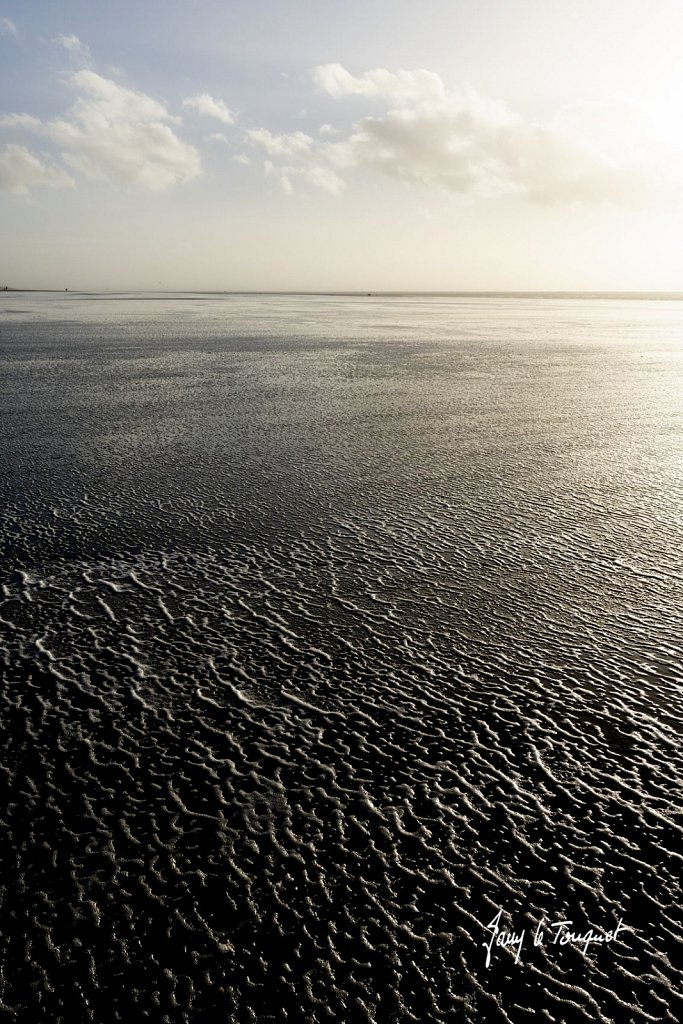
[661,295]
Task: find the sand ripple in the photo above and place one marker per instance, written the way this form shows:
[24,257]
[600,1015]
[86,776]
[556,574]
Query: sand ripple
[321,645]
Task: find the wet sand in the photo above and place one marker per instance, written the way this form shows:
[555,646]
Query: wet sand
[331,628]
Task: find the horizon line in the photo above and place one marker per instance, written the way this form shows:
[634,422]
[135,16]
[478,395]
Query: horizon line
[373,293]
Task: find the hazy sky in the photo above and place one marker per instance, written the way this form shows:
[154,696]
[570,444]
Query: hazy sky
[321,144]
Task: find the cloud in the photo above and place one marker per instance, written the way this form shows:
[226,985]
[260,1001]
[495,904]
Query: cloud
[304,159]
[297,145]
[210,107]
[105,100]
[457,142]
[470,147]
[20,170]
[19,121]
[118,135]
[74,46]
[336,81]
[7,27]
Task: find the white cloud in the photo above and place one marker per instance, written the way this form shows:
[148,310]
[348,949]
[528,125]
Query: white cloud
[7,27]
[116,134]
[19,121]
[462,143]
[480,149]
[106,100]
[74,46]
[296,145]
[304,159]
[242,158]
[322,177]
[410,86]
[20,170]
[210,107]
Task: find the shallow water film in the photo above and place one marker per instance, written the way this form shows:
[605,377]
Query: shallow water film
[341,659]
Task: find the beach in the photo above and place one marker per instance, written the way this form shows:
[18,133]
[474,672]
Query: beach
[331,628]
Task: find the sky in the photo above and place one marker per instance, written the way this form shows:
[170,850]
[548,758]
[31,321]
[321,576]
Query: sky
[315,145]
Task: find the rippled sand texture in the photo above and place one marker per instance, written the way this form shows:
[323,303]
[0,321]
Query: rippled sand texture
[330,627]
